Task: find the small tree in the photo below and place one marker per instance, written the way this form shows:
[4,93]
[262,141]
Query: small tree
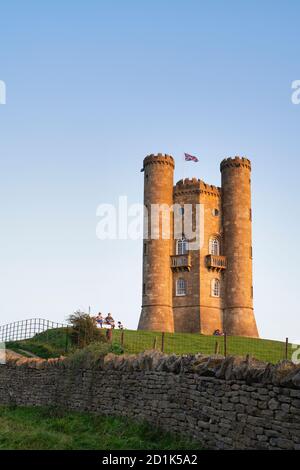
[84,329]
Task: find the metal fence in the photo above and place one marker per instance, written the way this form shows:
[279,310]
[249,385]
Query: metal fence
[133,342]
[26,329]
[191,343]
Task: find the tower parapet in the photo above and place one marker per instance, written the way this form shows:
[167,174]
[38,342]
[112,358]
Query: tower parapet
[237,232]
[159,159]
[232,162]
[196,185]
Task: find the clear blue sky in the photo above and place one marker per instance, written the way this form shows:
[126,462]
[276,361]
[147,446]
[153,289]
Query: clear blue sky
[93,87]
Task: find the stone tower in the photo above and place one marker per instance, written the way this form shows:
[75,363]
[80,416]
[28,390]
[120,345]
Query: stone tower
[237,235]
[210,287]
[157,311]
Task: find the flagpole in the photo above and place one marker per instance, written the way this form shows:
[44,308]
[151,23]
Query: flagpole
[183,162]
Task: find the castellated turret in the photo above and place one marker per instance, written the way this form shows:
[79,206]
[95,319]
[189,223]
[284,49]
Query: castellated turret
[157,312]
[237,238]
[198,289]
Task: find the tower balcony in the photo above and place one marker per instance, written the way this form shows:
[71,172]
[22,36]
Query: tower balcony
[181,262]
[216,262]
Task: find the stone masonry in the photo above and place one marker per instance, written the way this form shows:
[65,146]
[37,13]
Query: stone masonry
[224,403]
[227,218]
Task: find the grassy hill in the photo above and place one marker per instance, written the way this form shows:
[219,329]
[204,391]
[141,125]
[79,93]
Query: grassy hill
[188,343]
[56,342]
[50,343]
[53,429]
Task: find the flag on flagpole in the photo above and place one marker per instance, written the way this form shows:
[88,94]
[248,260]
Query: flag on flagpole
[190,158]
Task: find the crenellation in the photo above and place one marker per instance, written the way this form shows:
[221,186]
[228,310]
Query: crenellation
[210,189]
[161,159]
[235,162]
[197,186]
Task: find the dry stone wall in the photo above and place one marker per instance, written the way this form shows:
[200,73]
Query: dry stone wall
[224,403]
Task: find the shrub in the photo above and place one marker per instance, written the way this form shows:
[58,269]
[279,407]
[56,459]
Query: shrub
[84,330]
[89,355]
[116,348]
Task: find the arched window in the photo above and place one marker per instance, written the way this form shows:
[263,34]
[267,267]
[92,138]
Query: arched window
[214,246]
[215,288]
[181,286]
[182,246]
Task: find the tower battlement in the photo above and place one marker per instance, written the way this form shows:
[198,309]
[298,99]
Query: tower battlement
[159,159]
[196,185]
[235,162]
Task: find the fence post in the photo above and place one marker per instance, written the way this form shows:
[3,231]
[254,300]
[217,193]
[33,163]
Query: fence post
[286,348]
[85,334]
[109,334]
[155,342]
[162,342]
[225,344]
[67,340]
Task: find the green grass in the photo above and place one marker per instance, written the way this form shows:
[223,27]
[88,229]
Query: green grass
[52,343]
[53,429]
[188,343]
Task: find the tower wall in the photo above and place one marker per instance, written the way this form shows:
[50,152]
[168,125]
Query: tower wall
[186,309]
[237,238]
[211,308]
[157,313]
[199,311]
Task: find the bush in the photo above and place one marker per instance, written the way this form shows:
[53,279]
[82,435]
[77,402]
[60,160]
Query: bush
[88,356]
[84,330]
[116,348]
